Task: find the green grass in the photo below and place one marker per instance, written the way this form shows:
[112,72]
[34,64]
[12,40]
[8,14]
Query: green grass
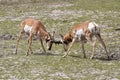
[59,15]
[102,5]
[55,67]
[9,27]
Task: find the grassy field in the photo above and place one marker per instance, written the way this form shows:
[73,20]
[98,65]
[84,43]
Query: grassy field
[59,16]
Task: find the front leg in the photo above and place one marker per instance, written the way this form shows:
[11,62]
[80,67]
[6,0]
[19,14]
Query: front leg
[29,44]
[42,45]
[71,44]
[83,50]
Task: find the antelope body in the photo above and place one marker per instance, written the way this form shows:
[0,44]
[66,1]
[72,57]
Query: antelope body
[82,33]
[34,27]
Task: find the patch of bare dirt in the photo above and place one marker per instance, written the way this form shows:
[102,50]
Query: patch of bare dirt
[13,37]
[7,37]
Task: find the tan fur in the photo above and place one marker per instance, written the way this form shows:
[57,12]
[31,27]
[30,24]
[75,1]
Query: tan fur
[83,26]
[87,36]
[38,29]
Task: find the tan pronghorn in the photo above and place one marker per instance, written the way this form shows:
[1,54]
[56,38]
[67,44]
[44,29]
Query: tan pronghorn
[34,27]
[83,32]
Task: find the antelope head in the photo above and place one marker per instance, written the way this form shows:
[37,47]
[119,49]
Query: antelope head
[51,40]
[65,40]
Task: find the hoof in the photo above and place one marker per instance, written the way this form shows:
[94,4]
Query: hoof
[15,53]
[85,57]
[108,58]
[31,52]
[27,54]
[64,56]
[91,58]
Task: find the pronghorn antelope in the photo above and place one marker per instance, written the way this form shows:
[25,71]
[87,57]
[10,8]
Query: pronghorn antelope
[83,32]
[35,28]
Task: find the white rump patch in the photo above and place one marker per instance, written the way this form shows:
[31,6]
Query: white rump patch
[79,33]
[27,28]
[93,27]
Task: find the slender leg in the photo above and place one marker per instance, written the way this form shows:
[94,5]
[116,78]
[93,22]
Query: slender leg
[30,47]
[42,45]
[31,50]
[21,33]
[82,43]
[66,53]
[93,50]
[103,44]
[89,38]
[29,44]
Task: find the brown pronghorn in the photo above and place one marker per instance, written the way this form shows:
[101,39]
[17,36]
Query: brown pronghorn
[34,27]
[83,32]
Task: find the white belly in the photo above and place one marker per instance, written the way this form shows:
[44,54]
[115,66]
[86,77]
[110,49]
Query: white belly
[27,29]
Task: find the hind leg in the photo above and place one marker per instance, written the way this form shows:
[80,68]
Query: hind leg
[93,50]
[93,43]
[102,43]
[20,36]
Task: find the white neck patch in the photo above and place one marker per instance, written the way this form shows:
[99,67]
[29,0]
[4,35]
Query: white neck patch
[27,28]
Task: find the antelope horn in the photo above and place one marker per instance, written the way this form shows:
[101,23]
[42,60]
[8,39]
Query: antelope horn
[49,43]
[52,40]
